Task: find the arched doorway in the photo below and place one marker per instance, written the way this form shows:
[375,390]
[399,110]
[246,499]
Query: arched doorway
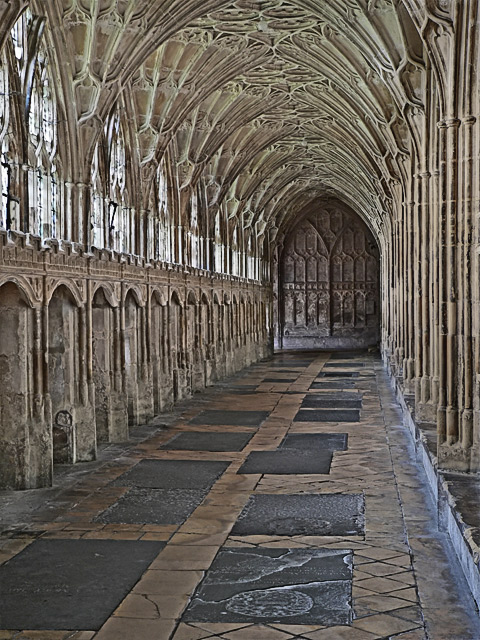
[329,282]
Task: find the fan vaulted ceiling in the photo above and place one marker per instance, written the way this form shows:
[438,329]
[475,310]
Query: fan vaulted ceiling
[271,103]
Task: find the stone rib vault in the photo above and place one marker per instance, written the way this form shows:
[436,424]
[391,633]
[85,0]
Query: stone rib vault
[187,185]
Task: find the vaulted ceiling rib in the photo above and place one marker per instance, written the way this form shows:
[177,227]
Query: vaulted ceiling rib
[264,104]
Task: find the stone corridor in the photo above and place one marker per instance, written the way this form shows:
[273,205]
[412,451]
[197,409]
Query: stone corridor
[282,503]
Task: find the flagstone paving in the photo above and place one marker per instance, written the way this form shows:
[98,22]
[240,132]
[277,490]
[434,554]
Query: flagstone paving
[234,526]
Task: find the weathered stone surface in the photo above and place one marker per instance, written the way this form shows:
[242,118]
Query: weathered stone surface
[217,441]
[287,461]
[153,506]
[287,586]
[172,474]
[70,584]
[308,515]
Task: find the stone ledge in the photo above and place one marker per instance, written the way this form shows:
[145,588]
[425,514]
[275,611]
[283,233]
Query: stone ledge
[457,496]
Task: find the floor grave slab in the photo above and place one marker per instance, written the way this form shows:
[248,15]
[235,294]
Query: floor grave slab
[205,441]
[172,474]
[349,355]
[239,389]
[300,514]
[153,506]
[316,441]
[338,374]
[327,415]
[346,365]
[289,586]
[331,384]
[234,418]
[70,584]
[316,401]
[288,461]
[279,380]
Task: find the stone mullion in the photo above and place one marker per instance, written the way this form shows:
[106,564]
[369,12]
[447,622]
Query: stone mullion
[442,289]
[450,265]
[399,288]
[466,418]
[417,268]
[408,325]
[425,302]
[434,284]
[402,275]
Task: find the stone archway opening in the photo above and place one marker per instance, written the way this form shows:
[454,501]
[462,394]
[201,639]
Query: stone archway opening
[329,282]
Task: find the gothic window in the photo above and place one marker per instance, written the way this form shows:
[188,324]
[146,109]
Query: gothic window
[43,179]
[235,269]
[219,249]
[5,220]
[98,208]
[194,232]
[120,220]
[162,233]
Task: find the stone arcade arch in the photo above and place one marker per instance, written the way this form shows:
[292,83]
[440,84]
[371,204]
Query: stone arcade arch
[329,273]
[25,440]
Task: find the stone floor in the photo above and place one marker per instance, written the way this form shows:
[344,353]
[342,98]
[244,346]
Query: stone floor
[257,537]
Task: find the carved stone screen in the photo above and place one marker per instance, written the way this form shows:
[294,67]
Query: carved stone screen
[329,283]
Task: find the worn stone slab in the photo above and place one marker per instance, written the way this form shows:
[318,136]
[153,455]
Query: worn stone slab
[316,441]
[300,514]
[332,384]
[343,365]
[234,418]
[172,474]
[70,584]
[287,461]
[290,586]
[205,441]
[349,355]
[241,389]
[327,402]
[153,506]
[338,374]
[327,415]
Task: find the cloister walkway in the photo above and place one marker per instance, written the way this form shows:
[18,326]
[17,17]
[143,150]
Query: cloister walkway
[282,503]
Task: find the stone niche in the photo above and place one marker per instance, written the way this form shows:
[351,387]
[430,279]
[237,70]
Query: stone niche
[25,444]
[329,283]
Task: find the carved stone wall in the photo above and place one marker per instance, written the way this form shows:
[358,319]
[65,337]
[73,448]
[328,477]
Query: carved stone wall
[92,343]
[329,282]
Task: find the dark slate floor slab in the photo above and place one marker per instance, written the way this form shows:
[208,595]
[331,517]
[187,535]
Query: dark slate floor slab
[349,355]
[200,441]
[70,584]
[346,365]
[331,384]
[289,586]
[172,474]
[234,418]
[283,380]
[327,415]
[316,441]
[288,461]
[338,374]
[326,402]
[309,515]
[153,506]
[239,389]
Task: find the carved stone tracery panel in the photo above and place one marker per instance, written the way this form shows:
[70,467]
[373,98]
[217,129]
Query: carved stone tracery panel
[330,282]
